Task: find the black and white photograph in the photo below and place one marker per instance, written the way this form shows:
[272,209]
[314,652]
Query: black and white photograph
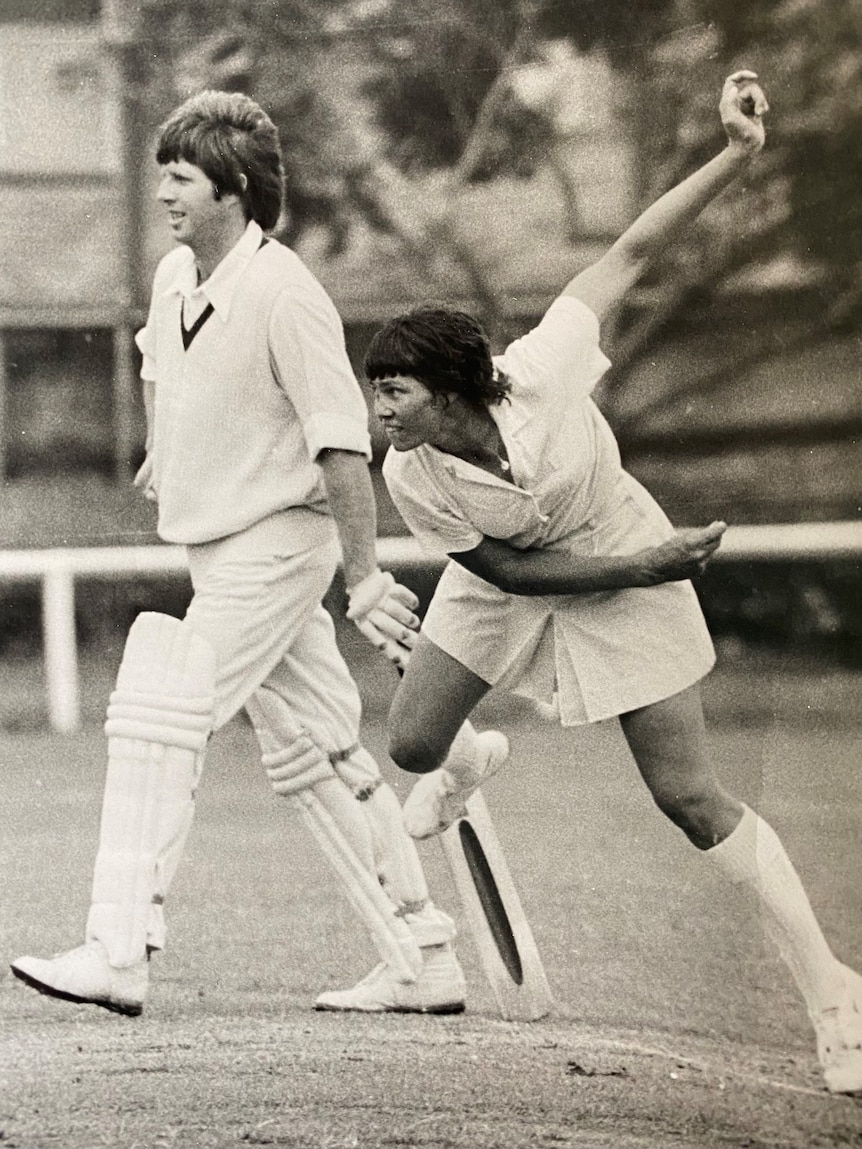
[430,574]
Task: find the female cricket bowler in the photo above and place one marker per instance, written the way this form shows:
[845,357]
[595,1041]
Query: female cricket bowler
[508,467]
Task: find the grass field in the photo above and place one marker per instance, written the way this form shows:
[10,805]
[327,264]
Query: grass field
[675,1023]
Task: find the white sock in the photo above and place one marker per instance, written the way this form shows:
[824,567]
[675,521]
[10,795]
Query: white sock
[753,854]
[430,926]
[464,757]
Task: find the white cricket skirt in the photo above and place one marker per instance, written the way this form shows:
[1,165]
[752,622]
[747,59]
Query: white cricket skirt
[602,653]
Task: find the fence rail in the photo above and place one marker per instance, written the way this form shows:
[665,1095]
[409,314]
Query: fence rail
[57,569]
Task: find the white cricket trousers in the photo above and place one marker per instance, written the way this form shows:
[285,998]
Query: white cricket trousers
[262,613]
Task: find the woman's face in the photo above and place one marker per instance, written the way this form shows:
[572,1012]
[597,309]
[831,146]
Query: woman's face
[408,410]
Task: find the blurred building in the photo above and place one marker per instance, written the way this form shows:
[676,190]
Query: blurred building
[67,306]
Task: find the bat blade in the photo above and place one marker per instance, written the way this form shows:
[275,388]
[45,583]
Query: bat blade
[493,909]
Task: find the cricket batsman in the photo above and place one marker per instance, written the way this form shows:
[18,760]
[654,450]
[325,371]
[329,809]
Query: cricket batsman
[257,456]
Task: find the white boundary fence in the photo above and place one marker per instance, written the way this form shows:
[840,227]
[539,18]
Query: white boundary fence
[57,569]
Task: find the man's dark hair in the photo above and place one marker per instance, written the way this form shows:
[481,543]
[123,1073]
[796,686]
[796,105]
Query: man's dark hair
[227,135]
[445,349]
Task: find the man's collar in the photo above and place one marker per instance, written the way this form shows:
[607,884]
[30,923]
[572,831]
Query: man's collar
[219,289]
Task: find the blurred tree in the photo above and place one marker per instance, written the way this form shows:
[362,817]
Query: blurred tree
[282,52]
[434,74]
[800,206]
[437,76]
[442,88]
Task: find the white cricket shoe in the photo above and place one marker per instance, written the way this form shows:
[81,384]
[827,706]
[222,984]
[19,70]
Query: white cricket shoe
[440,988]
[839,1038]
[85,975]
[438,799]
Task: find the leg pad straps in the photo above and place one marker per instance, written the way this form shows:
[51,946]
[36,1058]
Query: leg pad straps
[153,718]
[303,773]
[297,767]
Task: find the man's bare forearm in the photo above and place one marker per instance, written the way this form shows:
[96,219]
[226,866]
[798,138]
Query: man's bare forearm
[149,393]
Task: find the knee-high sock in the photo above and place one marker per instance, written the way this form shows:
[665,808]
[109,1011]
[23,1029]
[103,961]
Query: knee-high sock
[754,855]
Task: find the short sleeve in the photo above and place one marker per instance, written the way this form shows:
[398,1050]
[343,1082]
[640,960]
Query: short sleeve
[310,361]
[431,518]
[561,354]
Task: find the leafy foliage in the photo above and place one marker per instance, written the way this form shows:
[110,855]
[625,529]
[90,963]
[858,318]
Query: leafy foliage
[282,53]
[431,75]
[428,74]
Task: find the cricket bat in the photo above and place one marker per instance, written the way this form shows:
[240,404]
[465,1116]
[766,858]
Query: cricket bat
[492,907]
[495,915]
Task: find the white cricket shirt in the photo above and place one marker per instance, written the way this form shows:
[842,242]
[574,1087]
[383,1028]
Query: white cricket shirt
[264,387]
[603,653]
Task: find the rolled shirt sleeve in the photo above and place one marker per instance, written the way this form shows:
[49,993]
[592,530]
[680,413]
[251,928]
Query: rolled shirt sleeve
[309,358]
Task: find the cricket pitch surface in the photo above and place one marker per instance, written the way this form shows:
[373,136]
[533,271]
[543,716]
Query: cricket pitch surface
[675,1023]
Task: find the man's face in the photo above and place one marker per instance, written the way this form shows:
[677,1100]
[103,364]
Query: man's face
[188,194]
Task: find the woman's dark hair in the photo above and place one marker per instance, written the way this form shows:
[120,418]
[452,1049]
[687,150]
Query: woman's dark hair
[228,135]
[447,350]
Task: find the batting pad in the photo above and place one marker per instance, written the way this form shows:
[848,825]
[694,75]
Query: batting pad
[395,856]
[338,824]
[159,720]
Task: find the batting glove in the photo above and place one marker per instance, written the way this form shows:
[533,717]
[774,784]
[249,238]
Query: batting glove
[382,609]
